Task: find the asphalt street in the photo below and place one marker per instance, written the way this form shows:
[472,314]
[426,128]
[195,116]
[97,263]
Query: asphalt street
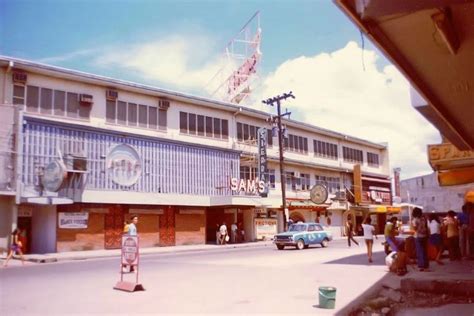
[257,280]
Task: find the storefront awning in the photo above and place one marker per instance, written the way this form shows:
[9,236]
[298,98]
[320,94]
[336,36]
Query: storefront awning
[384,209]
[307,204]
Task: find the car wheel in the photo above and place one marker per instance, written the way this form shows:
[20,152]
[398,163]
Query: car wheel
[325,243]
[280,247]
[300,244]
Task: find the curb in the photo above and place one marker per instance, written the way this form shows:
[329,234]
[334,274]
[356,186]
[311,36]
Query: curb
[436,286]
[50,258]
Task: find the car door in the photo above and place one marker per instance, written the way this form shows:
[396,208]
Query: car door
[319,232]
[312,235]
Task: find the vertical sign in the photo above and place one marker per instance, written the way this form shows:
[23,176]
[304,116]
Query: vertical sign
[262,159]
[357,184]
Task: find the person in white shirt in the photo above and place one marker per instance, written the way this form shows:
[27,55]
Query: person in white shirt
[223,231]
[233,232]
[369,231]
[435,236]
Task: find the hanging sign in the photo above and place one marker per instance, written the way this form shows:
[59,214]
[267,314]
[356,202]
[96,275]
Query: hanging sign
[262,159]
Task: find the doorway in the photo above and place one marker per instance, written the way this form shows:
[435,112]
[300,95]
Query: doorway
[113,226]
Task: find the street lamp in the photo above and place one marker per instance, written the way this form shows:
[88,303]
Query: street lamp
[271,101]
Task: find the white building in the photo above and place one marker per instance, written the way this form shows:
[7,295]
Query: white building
[426,192]
[89,150]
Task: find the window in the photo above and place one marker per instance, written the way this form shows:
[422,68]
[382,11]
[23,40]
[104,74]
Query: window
[133,114]
[311,228]
[290,181]
[249,133]
[248,173]
[331,183]
[18,94]
[352,155]
[193,124]
[51,102]
[305,181]
[372,159]
[296,143]
[271,178]
[324,149]
[200,125]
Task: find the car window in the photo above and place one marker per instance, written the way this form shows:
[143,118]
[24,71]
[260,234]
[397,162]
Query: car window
[297,228]
[319,228]
[311,228]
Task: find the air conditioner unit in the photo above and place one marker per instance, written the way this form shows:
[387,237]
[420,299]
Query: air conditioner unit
[111,94]
[86,99]
[163,104]
[19,77]
[341,195]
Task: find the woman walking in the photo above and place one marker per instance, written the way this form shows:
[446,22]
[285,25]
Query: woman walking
[350,231]
[369,231]
[435,237]
[421,238]
[15,247]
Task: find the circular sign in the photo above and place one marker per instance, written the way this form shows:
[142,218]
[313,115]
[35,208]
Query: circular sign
[124,165]
[54,175]
[318,194]
[130,249]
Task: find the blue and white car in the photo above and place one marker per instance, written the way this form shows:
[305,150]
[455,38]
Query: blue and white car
[301,235]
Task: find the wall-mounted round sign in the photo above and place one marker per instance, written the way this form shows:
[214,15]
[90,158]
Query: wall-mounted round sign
[318,194]
[124,165]
[54,175]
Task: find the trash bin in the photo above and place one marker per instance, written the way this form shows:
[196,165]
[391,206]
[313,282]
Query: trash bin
[327,297]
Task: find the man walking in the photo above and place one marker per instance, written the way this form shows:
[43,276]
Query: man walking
[223,231]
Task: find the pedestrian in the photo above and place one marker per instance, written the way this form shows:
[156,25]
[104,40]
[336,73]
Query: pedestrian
[241,232]
[463,220]
[350,232]
[435,237]
[452,226]
[390,233]
[15,247]
[224,236]
[132,231]
[369,232]
[233,232]
[218,234]
[420,227]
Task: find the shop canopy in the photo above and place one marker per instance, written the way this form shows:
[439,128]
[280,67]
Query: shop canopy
[306,204]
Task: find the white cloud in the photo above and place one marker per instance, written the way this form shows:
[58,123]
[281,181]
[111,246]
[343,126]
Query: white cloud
[333,91]
[178,61]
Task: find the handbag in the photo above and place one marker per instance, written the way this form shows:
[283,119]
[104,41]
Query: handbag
[227,238]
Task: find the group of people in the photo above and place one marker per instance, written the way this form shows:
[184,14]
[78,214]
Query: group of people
[237,234]
[432,236]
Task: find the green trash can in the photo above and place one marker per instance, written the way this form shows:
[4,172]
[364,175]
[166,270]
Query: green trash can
[327,297]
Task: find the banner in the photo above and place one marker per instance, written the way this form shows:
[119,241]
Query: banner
[73,220]
[262,159]
[265,228]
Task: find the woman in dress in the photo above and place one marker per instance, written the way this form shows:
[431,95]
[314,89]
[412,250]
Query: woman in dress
[15,247]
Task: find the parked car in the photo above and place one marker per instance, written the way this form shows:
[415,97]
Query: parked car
[301,235]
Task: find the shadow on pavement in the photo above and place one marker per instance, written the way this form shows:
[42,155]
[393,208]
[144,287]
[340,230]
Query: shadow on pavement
[361,259]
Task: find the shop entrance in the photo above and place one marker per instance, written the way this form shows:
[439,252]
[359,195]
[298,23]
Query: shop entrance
[113,226]
[24,223]
[215,217]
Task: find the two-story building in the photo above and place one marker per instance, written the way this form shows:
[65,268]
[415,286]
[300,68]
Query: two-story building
[81,153]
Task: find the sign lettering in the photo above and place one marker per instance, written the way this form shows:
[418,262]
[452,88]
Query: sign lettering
[262,159]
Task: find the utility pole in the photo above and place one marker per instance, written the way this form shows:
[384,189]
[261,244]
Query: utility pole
[271,101]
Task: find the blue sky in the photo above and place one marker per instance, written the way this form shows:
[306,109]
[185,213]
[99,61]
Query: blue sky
[309,47]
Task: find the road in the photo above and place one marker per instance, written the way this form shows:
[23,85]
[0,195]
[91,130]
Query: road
[256,280]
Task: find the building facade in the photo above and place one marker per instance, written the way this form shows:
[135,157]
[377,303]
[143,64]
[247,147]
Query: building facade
[426,192]
[81,153]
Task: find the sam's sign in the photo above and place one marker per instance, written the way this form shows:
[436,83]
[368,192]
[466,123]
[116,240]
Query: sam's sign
[255,186]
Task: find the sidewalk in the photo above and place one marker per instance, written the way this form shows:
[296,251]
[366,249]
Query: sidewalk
[443,288]
[108,253]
